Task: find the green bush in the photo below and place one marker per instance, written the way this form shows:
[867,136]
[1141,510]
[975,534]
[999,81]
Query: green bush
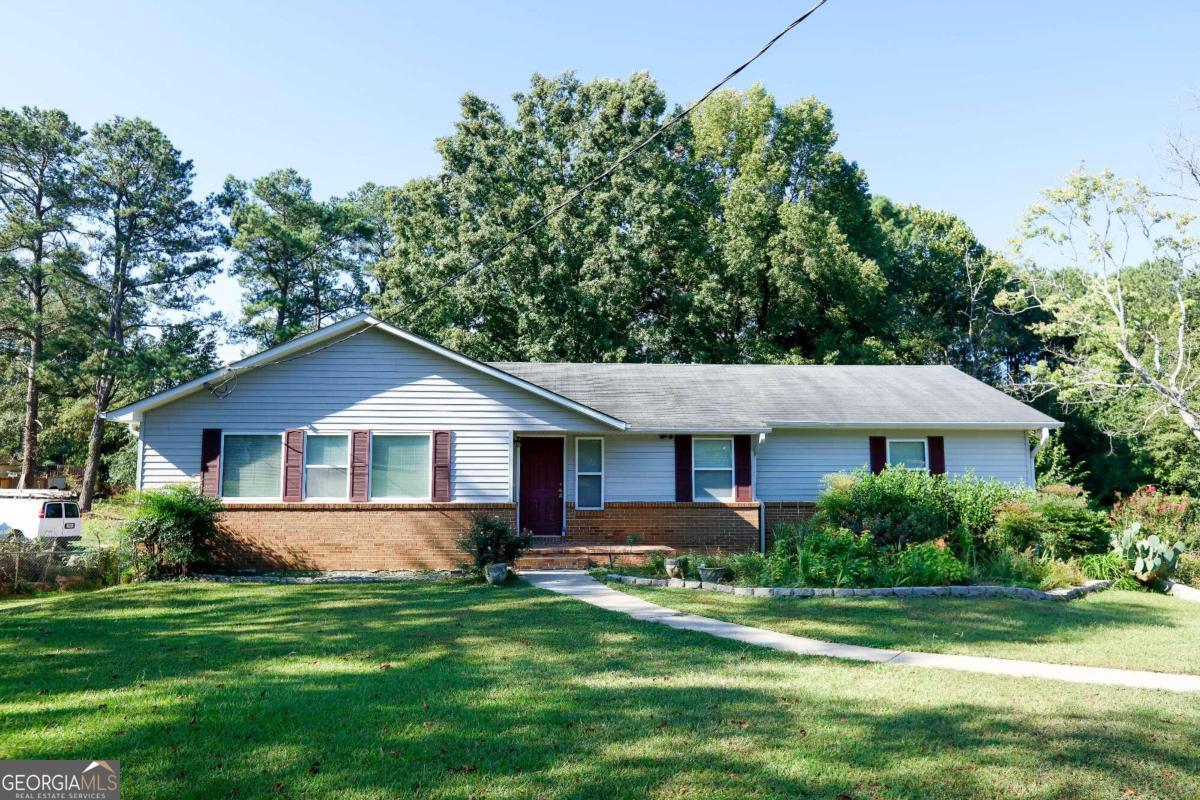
[1170,517]
[1061,574]
[491,540]
[813,554]
[1110,566]
[1008,566]
[926,564]
[974,501]
[1068,528]
[1187,571]
[1016,526]
[170,531]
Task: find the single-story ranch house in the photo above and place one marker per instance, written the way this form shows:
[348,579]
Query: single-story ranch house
[364,446]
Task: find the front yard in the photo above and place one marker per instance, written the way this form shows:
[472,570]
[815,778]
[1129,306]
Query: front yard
[1126,630]
[455,690]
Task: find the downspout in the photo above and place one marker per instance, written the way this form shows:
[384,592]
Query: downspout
[762,507]
[1033,454]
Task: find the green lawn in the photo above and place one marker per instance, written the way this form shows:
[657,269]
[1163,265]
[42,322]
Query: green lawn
[1128,630]
[453,690]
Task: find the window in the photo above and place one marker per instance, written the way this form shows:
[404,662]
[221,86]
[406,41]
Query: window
[589,473]
[712,469]
[251,465]
[326,465]
[70,510]
[400,467]
[908,453]
[53,511]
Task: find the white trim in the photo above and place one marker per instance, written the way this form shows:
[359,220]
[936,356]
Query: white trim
[133,411]
[282,464]
[924,444]
[732,470]
[428,498]
[599,439]
[304,495]
[141,449]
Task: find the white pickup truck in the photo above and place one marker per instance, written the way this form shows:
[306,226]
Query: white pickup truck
[35,513]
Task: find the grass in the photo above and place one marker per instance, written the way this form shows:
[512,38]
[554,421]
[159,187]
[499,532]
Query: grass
[451,690]
[1127,630]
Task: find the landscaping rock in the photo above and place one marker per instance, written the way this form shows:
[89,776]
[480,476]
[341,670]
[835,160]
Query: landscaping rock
[863,593]
[959,591]
[884,591]
[743,591]
[922,591]
[802,592]
[691,584]
[762,592]
[902,591]
[822,592]
[675,583]
[843,593]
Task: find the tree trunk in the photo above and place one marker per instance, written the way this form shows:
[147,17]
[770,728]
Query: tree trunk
[29,433]
[91,467]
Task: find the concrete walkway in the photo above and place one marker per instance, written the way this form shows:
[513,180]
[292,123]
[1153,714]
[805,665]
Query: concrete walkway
[582,586]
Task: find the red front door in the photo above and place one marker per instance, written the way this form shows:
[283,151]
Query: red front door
[541,498]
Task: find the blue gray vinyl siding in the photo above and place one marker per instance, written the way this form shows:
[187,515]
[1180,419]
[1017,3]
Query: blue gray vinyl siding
[372,381]
[637,467]
[792,465]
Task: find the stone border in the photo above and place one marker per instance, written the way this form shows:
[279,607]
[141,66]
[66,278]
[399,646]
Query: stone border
[1070,593]
[332,577]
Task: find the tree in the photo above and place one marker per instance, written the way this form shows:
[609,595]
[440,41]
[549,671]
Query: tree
[151,254]
[1123,298]
[298,259]
[38,151]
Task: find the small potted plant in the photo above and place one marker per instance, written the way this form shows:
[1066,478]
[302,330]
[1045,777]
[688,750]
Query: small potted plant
[713,573]
[496,573]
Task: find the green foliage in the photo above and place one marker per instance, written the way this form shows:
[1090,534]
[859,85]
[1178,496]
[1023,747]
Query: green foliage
[1056,465]
[927,564]
[492,540]
[170,531]
[818,555]
[896,507]
[1017,526]
[1156,559]
[1187,569]
[1068,528]
[1061,574]
[1168,516]
[1110,566]
[1008,566]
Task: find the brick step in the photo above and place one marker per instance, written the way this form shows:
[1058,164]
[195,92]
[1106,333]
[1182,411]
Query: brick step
[558,562]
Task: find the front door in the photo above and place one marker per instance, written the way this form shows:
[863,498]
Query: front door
[541,498]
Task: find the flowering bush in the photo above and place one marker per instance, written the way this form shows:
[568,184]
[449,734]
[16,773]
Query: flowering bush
[1168,516]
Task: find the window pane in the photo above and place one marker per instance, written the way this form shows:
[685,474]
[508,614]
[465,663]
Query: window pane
[590,458]
[250,466]
[908,454]
[326,482]
[53,510]
[70,510]
[400,467]
[713,484]
[332,451]
[713,453]
[588,494]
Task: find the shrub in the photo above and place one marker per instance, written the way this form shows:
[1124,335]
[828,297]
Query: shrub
[171,530]
[1016,526]
[1060,574]
[824,556]
[1173,517]
[926,564]
[896,506]
[1110,566]
[1012,567]
[1068,528]
[975,500]
[491,540]
[1187,571]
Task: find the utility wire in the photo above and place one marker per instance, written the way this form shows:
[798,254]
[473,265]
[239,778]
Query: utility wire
[491,254]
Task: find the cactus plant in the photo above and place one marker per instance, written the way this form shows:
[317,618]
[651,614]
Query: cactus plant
[1125,541]
[1156,560]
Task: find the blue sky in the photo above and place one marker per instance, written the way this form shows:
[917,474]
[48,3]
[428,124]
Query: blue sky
[971,107]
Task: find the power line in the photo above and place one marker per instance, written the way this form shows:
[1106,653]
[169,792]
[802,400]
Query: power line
[487,257]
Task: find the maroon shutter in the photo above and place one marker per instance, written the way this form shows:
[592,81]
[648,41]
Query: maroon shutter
[293,466]
[683,469]
[741,469]
[937,455]
[360,465]
[441,466]
[210,461]
[878,454]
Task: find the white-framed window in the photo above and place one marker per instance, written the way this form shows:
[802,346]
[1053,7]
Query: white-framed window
[400,466]
[251,466]
[910,453]
[327,465]
[589,472]
[712,469]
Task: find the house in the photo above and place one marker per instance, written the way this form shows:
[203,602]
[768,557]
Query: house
[364,446]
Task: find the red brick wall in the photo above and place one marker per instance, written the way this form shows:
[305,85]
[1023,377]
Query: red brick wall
[301,536]
[684,526]
[779,513]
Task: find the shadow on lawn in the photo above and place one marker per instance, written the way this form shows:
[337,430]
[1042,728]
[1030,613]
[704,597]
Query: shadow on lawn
[451,690]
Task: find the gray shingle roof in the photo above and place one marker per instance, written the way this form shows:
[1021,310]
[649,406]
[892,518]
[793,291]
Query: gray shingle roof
[719,397]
